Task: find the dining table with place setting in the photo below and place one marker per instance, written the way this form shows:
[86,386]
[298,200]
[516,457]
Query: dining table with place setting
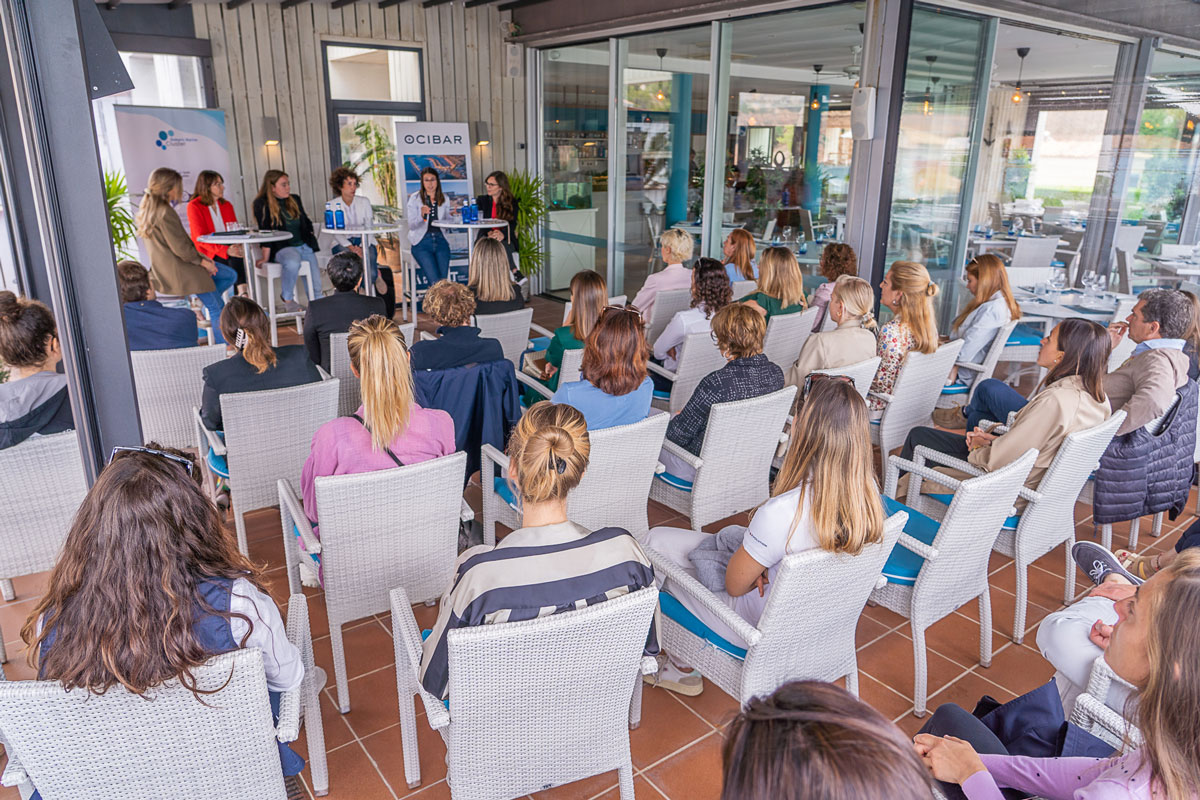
[1056,303]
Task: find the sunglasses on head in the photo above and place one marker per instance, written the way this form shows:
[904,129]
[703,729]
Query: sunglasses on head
[186,463]
[629,309]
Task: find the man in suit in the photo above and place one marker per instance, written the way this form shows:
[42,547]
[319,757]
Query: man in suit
[1145,385]
[149,324]
[335,314]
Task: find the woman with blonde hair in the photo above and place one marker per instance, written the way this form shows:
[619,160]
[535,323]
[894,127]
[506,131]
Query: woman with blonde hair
[739,249]
[825,496]
[549,564]
[677,247]
[490,279]
[177,269]
[991,308]
[277,209]
[780,284]
[851,342]
[1155,646]
[908,292]
[390,429]
[837,259]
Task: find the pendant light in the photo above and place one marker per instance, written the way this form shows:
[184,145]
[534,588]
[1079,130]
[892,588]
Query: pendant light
[1021,53]
[927,110]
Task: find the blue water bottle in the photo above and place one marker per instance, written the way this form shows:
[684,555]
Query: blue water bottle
[339,218]
[329,215]
[474,211]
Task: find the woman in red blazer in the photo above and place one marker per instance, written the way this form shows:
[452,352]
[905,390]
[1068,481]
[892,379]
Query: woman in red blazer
[208,198]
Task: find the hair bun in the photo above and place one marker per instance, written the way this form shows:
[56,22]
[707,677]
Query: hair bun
[931,290]
[10,307]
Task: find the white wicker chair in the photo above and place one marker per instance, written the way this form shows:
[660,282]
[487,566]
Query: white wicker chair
[1031,260]
[786,334]
[349,388]
[1097,718]
[733,468]
[168,384]
[614,488]
[914,395]
[862,373]
[743,288]
[618,300]
[511,329]
[564,681]
[1049,518]
[781,648]
[568,372]
[956,564]
[379,530]
[698,356]
[267,437]
[116,746]
[41,486]
[666,305]
[983,369]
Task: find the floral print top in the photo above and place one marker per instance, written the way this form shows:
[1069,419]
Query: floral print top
[895,340]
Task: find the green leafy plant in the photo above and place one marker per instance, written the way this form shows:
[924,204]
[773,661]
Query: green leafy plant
[530,193]
[120,220]
[376,157]
[3,374]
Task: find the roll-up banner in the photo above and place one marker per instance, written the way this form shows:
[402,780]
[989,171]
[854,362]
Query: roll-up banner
[445,146]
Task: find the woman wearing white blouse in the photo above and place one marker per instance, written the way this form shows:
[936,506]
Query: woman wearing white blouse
[429,247]
[991,308]
[358,213]
[711,291]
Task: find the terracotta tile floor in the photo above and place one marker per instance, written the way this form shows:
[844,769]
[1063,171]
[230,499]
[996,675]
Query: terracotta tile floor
[677,749]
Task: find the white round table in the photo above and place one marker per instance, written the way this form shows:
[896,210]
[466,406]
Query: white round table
[367,234]
[248,240]
[472,228]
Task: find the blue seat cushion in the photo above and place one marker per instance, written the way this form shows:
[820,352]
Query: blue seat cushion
[661,395]
[538,343]
[500,486]
[217,464]
[316,557]
[676,611]
[958,387]
[1010,523]
[674,480]
[1024,335]
[903,564]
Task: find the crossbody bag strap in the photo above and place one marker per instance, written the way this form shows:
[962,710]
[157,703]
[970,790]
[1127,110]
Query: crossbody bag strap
[386,449]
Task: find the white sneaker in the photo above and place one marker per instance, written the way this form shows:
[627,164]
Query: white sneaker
[309,576]
[672,678]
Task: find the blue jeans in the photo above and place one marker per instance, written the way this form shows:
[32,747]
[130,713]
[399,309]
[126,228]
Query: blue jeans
[433,255]
[214,301]
[289,258]
[994,399]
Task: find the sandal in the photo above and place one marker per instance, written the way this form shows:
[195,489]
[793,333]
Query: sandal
[1141,566]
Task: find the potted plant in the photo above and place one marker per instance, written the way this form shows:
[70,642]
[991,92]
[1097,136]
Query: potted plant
[530,193]
[120,220]
[376,156]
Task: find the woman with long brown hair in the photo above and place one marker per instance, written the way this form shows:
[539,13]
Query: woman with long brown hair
[277,209]
[498,202]
[1155,646]
[429,246]
[208,212]
[149,585]
[991,308]
[739,249]
[824,496]
[908,291]
[614,388]
[177,269]
[390,429]
[589,296]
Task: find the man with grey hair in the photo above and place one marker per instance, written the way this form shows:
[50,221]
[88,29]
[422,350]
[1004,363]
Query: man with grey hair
[1145,384]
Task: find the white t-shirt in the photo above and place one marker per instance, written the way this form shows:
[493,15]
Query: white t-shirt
[767,542]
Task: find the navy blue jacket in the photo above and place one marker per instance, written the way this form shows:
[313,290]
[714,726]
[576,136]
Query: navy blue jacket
[483,399]
[152,326]
[455,347]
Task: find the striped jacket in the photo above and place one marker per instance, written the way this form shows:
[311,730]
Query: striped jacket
[535,572]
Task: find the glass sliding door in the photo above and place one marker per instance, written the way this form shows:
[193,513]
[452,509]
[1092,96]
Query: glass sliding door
[575,145]
[941,90]
[664,94]
[788,145]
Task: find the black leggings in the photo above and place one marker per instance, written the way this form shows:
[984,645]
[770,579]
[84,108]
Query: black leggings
[952,720]
[389,290]
[952,444]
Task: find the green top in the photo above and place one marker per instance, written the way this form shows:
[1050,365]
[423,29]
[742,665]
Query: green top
[772,305]
[292,226]
[563,340]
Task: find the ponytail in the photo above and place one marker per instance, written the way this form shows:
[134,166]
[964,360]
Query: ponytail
[548,452]
[245,324]
[916,303]
[379,354]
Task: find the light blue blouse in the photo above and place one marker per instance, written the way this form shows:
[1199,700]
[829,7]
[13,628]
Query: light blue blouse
[603,410]
[978,331]
[735,274]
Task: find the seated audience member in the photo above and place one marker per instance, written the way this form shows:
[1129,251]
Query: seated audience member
[851,342]
[589,297]
[1075,353]
[491,280]
[1152,645]
[337,312]
[548,565]
[254,366]
[1145,566]
[390,429]
[1144,386]
[908,292]
[739,331]
[677,247]
[739,249]
[149,325]
[711,291]
[810,740]
[991,308]
[780,284]
[837,259]
[824,496]
[149,585]
[613,388]
[451,305]
[34,399]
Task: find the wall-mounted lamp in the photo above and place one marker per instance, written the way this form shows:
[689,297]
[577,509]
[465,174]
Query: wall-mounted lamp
[270,127]
[482,136]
